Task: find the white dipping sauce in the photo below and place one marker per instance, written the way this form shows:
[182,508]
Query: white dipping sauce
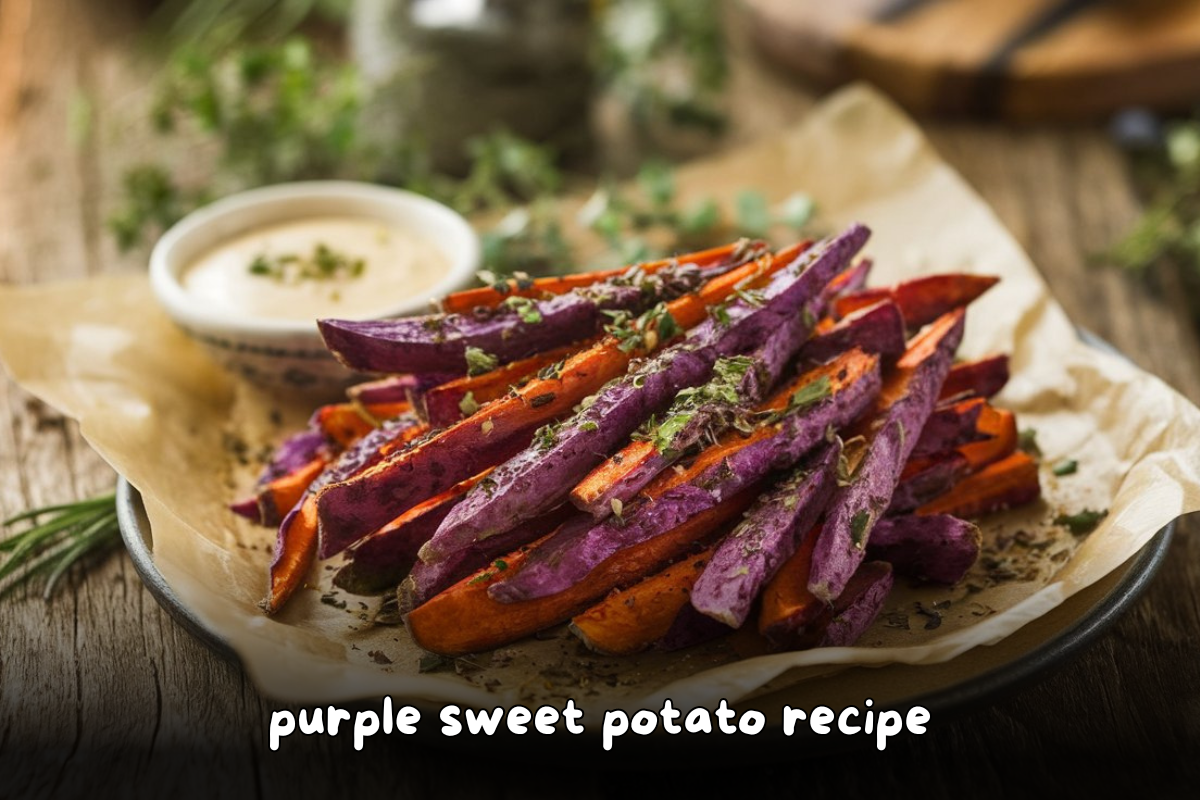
[397,264]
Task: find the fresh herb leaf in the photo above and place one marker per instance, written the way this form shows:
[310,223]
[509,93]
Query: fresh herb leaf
[526,309]
[1081,523]
[700,218]
[324,264]
[479,362]
[859,524]
[671,427]
[1066,467]
[468,405]
[810,394]
[547,436]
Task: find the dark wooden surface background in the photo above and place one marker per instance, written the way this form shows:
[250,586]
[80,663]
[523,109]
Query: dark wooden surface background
[100,689]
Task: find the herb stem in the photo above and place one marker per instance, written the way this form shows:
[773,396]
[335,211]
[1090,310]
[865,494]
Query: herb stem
[100,500]
[69,532]
[95,536]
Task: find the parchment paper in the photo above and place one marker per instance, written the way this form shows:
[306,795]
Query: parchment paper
[188,436]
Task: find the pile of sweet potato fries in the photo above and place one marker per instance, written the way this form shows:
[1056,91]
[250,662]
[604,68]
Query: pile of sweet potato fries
[660,454]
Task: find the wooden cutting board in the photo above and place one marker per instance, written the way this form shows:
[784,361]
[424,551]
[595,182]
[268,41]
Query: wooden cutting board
[1021,59]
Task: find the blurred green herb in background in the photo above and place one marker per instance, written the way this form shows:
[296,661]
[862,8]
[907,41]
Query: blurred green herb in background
[289,111]
[1167,234]
[665,58]
[213,25]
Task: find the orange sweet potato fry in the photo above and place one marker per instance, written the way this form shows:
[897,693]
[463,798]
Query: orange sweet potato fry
[443,404]
[1000,425]
[438,625]
[630,620]
[787,604]
[489,297]
[1010,482]
[346,423]
[503,427]
[613,469]
[921,300]
[295,551]
[280,496]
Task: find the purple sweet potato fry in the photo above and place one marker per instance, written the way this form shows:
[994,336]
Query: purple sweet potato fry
[438,342]
[542,475]
[910,396]
[565,559]
[937,478]
[938,547]
[708,410]
[949,427]
[428,579]
[875,329]
[294,452]
[981,378]
[690,628]
[384,558]
[858,606]
[751,555]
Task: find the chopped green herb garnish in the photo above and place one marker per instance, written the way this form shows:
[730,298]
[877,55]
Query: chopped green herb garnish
[468,405]
[588,426]
[496,282]
[547,436]
[617,507]
[665,434]
[811,393]
[432,662]
[324,264]
[725,389]
[1082,523]
[500,564]
[1027,442]
[526,309]
[858,528]
[644,333]
[1066,467]
[552,371]
[479,362]
[750,298]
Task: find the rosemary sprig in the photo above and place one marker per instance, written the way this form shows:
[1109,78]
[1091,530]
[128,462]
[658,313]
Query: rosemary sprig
[55,538]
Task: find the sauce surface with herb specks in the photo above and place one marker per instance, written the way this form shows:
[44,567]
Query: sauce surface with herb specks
[348,267]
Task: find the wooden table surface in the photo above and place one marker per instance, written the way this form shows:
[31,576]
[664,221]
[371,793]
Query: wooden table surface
[101,688]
